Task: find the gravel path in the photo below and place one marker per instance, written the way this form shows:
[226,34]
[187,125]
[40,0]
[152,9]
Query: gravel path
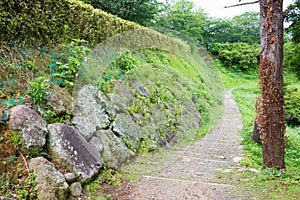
[190,171]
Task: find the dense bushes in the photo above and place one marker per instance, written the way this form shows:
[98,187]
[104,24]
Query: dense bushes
[292,57]
[292,105]
[237,56]
[48,21]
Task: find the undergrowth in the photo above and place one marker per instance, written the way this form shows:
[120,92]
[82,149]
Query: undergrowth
[16,179]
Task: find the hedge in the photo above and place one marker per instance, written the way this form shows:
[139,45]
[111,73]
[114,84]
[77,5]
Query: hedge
[52,21]
[237,56]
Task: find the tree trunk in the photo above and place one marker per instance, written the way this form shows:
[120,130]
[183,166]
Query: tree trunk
[255,137]
[271,74]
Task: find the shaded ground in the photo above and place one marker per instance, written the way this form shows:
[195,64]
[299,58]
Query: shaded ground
[190,172]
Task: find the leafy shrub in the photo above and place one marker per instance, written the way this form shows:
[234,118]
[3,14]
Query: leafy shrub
[123,63]
[127,61]
[38,90]
[292,57]
[111,176]
[66,64]
[237,56]
[292,105]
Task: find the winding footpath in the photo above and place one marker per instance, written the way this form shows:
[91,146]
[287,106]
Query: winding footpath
[190,172]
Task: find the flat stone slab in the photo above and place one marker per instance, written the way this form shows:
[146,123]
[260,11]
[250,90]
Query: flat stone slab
[69,149]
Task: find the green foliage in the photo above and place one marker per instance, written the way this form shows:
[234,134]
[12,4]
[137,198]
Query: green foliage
[21,181]
[123,63]
[172,82]
[135,107]
[93,186]
[111,176]
[26,189]
[144,147]
[34,152]
[67,62]
[243,28]
[275,174]
[294,18]
[181,16]
[17,140]
[237,56]
[142,12]
[38,91]
[50,117]
[292,57]
[127,61]
[246,28]
[45,22]
[292,150]
[292,105]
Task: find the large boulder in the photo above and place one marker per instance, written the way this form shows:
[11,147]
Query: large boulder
[190,120]
[92,108]
[76,189]
[50,182]
[114,151]
[68,148]
[190,115]
[118,102]
[31,126]
[121,98]
[141,88]
[122,91]
[59,100]
[130,132]
[85,125]
[97,143]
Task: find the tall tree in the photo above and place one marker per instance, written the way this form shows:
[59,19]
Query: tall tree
[272,124]
[242,28]
[271,116]
[246,27]
[140,11]
[182,16]
[293,16]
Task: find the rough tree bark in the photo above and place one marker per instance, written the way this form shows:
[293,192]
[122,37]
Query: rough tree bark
[271,115]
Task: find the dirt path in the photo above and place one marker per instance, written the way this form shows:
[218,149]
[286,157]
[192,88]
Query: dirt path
[190,171]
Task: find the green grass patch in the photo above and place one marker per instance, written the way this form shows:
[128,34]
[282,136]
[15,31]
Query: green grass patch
[270,183]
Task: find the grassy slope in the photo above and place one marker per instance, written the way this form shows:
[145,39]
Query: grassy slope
[164,68]
[269,184]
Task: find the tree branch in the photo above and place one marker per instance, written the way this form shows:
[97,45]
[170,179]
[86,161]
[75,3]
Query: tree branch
[285,13]
[242,4]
